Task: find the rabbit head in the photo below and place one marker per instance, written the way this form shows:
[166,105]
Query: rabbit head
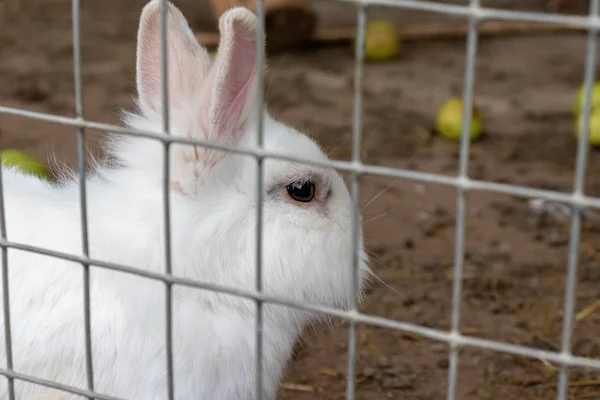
[307,246]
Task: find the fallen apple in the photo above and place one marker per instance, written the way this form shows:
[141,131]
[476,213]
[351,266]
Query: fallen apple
[382,41]
[24,162]
[449,123]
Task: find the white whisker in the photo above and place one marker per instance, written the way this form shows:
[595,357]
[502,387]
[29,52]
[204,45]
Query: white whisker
[334,150]
[272,78]
[380,215]
[388,187]
[382,281]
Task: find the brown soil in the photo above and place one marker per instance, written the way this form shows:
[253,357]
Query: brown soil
[514,270]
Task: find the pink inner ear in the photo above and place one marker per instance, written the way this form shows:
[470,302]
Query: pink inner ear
[233,79]
[241,75]
[185,65]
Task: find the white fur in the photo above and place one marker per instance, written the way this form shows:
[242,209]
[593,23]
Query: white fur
[307,246]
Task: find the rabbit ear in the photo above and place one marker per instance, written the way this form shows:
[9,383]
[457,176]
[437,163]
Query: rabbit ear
[229,91]
[188,62]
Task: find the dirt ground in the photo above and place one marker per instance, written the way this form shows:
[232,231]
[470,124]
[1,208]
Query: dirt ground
[514,269]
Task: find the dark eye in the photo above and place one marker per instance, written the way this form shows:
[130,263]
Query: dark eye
[301,191]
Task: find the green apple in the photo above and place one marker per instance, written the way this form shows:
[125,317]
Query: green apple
[449,121]
[382,41]
[24,162]
[580,97]
[594,136]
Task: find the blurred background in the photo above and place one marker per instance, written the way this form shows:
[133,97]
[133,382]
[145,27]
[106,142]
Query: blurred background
[527,81]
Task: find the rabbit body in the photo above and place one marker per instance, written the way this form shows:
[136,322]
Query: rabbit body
[214,335]
[306,244]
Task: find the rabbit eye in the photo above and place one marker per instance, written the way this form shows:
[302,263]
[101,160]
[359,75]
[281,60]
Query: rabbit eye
[301,191]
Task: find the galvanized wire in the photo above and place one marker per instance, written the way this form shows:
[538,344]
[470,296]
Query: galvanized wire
[260,60]
[578,187]
[164,57]
[6,289]
[485,13]
[461,201]
[468,184]
[475,14]
[81,153]
[361,20]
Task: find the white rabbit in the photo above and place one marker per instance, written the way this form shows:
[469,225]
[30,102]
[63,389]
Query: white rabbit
[307,244]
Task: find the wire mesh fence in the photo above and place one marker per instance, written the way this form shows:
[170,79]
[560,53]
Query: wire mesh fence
[476,14]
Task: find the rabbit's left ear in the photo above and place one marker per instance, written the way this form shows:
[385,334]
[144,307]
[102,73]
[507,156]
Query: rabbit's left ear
[229,91]
[188,62]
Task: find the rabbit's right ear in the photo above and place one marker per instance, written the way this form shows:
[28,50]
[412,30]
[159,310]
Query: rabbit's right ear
[188,62]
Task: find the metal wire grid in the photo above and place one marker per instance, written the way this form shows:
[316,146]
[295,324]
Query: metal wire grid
[476,15]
